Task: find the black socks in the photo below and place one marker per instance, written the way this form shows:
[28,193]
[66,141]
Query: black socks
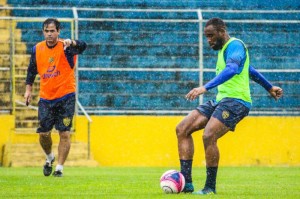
[186,170]
[211,176]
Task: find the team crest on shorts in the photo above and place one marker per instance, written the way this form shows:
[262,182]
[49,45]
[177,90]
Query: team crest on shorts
[225,114]
[67,121]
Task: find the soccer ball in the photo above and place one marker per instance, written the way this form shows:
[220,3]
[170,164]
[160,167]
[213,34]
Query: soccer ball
[172,181]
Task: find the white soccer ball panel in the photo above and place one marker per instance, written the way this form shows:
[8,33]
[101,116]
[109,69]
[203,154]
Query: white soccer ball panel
[168,186]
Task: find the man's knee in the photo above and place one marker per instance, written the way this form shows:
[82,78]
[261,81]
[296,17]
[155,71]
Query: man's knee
[209,137]
[64,135]
[180,130]
[183,131]
[45,135]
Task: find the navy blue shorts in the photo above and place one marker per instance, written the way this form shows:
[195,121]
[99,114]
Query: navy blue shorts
[229,111]
[58,112]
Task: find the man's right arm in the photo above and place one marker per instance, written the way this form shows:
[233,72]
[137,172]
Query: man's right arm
[31,74]
[32,68]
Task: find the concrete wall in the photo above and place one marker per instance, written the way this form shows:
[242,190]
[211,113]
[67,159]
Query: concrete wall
[151,140]
[6,126]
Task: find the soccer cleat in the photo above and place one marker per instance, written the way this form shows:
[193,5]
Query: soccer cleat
[188,188]
[57,173]
[205,191]
[48,167]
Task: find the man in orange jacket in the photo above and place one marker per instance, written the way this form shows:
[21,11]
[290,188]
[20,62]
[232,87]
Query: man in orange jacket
[54,60]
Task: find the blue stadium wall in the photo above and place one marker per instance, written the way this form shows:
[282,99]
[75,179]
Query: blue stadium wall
[115,44]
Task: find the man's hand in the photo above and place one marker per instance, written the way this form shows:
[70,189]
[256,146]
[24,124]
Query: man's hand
[276,92]
[27,95]
[195,92]
[67,43]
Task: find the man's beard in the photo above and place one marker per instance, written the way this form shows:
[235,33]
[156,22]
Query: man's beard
[219,44]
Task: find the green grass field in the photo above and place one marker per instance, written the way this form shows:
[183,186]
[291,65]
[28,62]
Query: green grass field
[125,182]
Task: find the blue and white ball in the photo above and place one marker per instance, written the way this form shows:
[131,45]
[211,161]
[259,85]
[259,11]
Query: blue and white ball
[172,181]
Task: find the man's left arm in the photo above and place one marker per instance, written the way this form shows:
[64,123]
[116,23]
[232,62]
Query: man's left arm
[72,48]
[77,47]
[275,91]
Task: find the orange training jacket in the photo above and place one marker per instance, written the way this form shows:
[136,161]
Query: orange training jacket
[57,77]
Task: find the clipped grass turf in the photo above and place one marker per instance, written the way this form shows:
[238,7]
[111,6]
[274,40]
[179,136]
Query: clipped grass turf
[137,182]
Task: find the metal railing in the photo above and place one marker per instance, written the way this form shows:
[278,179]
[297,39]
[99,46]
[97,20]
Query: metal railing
[89,128]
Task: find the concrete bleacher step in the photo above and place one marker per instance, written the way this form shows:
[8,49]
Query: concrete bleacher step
[32,155]
[4,12]
[20,98]
[21,62]
[108,3]
[5,85]
[20,48]
[4,74]
[22,72]
[5,61]
[142,50]
[26,113]
[5,97]
[4,24]
[5,35]
[20,86]
[25,123]
[140,37]
[3,2]
[4,104]
[26,118]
